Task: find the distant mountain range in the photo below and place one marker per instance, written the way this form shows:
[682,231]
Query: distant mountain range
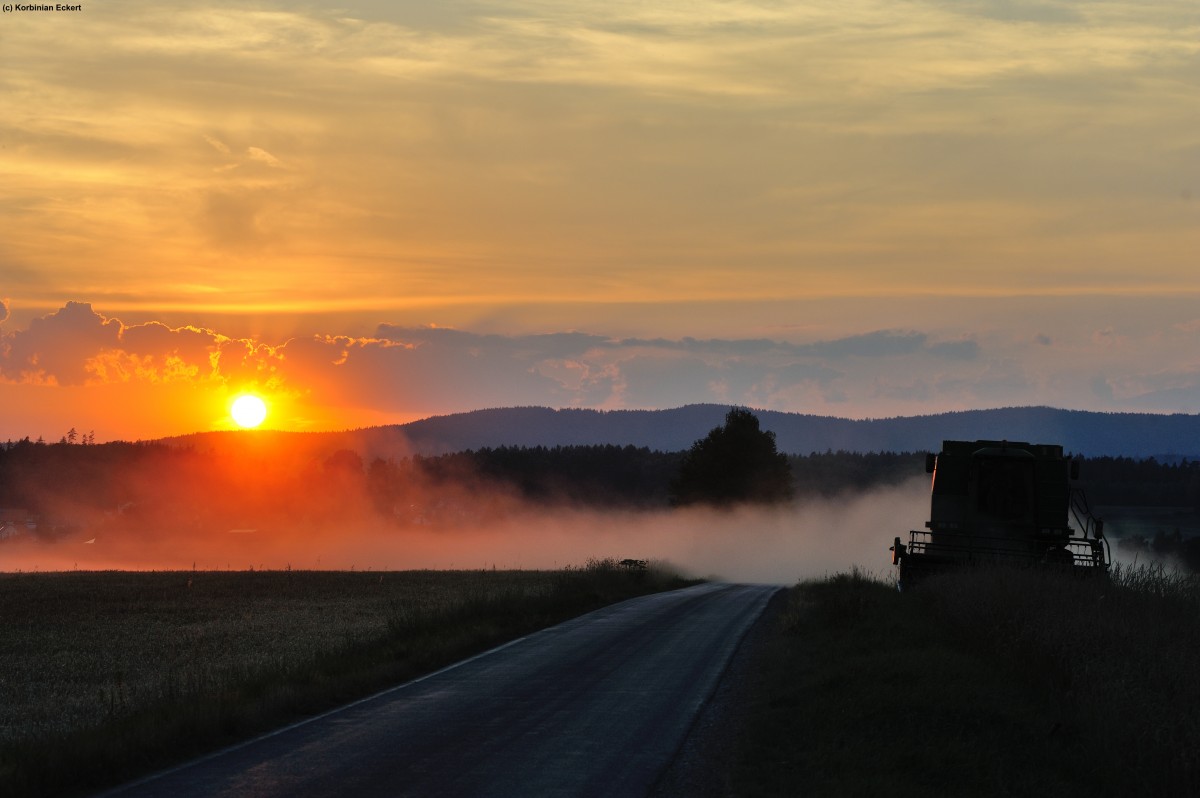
[1139,435]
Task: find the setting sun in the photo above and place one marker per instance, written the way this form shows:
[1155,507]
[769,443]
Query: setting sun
[248,410]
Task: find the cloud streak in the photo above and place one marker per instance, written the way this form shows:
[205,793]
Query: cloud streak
[535,150]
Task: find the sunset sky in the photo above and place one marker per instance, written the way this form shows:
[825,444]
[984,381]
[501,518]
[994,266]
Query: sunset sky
[370,212]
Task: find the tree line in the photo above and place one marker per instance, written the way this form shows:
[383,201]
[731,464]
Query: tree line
[1142,483]
[269,480]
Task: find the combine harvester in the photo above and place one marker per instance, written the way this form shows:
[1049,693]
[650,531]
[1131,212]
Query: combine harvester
[1003,502]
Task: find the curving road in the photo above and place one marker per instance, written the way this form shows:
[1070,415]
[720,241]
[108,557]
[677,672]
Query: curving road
[595,706]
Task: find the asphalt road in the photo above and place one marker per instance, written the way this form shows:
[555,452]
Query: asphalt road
[595,706]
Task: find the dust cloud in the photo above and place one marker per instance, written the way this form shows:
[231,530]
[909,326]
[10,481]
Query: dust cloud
[810,538]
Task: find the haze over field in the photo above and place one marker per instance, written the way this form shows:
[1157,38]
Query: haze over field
[774,546]
[376,212]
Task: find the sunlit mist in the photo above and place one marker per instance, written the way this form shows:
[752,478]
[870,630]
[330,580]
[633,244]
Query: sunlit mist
[764,545]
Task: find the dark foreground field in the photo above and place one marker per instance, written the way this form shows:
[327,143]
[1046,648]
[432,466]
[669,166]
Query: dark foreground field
[1018,683]
[104,675]
[982,683]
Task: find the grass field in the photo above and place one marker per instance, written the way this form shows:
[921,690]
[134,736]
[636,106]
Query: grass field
[983,683]
[107,674]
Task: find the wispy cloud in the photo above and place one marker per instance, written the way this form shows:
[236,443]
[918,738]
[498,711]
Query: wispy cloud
[262,156]
[615,150]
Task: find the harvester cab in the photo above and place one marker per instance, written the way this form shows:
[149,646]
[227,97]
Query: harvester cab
[1003,501]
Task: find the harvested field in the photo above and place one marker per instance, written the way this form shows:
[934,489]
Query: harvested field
[109,673]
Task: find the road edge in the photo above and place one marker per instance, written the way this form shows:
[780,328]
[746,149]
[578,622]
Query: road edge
[703,765]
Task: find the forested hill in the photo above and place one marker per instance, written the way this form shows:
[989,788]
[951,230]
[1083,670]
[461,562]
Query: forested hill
[1080,432]
[1137,435]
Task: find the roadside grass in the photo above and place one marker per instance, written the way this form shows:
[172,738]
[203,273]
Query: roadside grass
[981,683]
[108,675]
[1121,657]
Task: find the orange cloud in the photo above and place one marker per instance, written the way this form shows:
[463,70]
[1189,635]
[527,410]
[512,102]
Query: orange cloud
[78,346]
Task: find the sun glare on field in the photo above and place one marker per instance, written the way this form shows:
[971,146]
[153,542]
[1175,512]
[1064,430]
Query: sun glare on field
[248,410]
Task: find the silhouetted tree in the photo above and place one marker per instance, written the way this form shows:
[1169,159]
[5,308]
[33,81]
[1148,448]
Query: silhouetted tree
[737,462]
[343,463]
